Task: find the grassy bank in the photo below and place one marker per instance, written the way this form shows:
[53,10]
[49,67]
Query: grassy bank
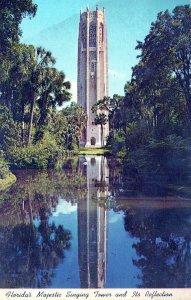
[94,151]
[7,181]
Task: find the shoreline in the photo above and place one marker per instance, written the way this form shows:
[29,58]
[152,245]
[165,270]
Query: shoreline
[94,151]
[7,181]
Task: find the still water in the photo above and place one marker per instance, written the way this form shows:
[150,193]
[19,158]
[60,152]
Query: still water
[83,226]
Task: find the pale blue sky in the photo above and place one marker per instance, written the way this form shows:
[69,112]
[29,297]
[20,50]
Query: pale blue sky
[55,27]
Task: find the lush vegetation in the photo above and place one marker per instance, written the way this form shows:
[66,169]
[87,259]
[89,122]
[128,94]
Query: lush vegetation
[6,177]
[149,129]
[154,115]
[152,119]
[33,132]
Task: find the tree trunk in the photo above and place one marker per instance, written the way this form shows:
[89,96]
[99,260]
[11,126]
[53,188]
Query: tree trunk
[113,126]
[30,209]
[31,118]
[188,100]
[23,126]
[101,135]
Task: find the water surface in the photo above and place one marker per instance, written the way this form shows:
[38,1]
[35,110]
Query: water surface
[86,226]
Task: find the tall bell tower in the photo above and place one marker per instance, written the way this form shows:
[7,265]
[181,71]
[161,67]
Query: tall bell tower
[92,73]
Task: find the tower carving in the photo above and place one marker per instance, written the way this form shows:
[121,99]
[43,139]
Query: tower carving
[92,74]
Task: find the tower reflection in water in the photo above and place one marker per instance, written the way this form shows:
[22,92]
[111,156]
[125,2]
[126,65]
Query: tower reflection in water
[92,223]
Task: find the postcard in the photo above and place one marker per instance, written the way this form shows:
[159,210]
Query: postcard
[95,156]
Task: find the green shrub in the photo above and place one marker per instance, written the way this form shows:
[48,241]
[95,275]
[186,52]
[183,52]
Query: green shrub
[7,181]
[4,169]
[42,155]
[6,177]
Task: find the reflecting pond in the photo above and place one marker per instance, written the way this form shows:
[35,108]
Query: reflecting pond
[87,226]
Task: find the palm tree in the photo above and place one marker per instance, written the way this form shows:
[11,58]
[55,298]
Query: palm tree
[47,84]
[101,120]
[112,106]
[43,59]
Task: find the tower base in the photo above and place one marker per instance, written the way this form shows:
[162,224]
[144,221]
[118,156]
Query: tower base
[88,145]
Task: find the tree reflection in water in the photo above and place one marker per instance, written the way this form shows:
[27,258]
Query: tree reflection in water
[163,246]
[31,247]
[29,254]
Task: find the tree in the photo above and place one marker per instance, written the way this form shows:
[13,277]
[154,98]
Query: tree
[66,125]
[11,15]
[12,53]
[166,52]
[54,91]
[43,60]
[110,106]
[13,87]
[76,119]
[33,85]
[45,83]
[101,120]
[156,102]
[9,133]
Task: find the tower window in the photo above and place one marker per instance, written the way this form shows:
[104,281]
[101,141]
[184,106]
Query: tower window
[92,35]
[101,33]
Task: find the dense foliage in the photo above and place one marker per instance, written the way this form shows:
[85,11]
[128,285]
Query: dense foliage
[154,115]
[33,133]
[4,170]
[11,15]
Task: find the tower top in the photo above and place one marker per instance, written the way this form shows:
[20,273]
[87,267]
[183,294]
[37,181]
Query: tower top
[88,9]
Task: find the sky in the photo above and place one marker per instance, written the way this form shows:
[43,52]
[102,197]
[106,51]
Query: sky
[55,27]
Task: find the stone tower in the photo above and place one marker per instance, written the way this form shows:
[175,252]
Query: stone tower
[92,73]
